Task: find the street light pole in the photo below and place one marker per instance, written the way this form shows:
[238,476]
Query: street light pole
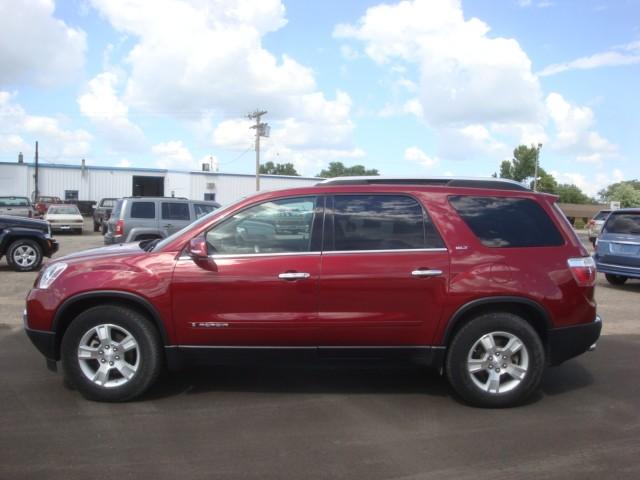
[535,175]
[260,132]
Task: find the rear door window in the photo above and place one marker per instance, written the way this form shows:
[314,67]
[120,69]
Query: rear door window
[143,210]
[623,223]
[381,222]
[507,222]
[175,211]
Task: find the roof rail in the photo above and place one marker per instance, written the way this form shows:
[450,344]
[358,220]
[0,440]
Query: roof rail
[469,182]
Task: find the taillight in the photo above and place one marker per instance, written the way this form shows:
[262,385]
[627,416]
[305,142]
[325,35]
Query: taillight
[120,227]
[583,270]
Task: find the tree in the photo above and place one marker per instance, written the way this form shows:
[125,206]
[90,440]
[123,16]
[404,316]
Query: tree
[270,168]
[337,169]
[546,182]
[523,164]
[626,192]
[572,194]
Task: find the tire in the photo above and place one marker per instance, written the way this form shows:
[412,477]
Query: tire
[103,228]
[470,350]
[615,279]
[96,227]
[104,373]
[24,255]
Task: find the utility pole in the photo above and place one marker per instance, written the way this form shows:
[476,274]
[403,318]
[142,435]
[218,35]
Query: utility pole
[36,175]
[262,130]
[535,175]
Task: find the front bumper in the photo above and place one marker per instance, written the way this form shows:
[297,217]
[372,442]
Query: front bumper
[44,341]
[568,342]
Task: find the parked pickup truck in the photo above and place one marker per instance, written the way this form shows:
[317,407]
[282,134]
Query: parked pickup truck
[42,204]
[25,242]
[102,213]
[16,207]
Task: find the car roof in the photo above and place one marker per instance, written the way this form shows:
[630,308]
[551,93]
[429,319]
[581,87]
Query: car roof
[471,182]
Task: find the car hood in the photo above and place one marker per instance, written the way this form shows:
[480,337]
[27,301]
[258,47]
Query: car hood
[102,252]
[24,222]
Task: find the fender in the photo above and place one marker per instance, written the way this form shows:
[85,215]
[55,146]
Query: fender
[459,314]
[7,237]
[140,301]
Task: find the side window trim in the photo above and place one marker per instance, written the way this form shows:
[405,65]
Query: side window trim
[328,245]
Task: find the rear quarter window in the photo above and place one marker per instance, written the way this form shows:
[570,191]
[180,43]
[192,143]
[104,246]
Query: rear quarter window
[143,210]
[507,221]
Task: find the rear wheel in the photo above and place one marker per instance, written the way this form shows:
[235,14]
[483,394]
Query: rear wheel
[24,255]
[615,279]
[111,353]
[496,360]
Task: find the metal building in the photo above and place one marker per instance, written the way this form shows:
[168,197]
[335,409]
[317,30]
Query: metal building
[80,182]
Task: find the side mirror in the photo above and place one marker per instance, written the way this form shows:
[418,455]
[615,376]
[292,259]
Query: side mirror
[197,248]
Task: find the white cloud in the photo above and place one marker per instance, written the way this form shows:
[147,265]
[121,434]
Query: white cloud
[469,142]
[36,47]
[466,76]
[574,131]
[309,161]
[173,154]
[349,53]
[124,163]
[21,130]
[628,54]
[109,114]
[415,154]
[200,60]
[589,185]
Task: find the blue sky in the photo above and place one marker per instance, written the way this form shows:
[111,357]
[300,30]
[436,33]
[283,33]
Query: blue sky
[421,87]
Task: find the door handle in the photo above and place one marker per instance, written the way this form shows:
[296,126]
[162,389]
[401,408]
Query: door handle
[169,225]
[432,272]
[293,275]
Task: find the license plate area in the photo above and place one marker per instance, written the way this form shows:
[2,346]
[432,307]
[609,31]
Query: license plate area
[624,249]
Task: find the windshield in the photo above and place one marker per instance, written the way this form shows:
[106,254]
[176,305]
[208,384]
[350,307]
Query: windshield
[14,202]
[107,202]
[66,210]
[602,214]
[221,211]
[624,223]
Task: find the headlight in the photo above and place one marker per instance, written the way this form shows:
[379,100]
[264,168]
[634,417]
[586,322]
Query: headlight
[50,274]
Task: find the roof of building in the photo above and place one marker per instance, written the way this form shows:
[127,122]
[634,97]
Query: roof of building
[153,170]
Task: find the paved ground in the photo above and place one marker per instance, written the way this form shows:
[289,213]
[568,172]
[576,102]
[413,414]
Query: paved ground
[322,422]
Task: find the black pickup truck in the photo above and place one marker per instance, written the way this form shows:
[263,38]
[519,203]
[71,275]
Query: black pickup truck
[25,242]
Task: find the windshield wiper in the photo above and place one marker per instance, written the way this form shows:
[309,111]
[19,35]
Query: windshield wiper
[149,245]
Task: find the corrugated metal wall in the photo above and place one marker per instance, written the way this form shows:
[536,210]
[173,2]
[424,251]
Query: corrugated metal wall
[96,183]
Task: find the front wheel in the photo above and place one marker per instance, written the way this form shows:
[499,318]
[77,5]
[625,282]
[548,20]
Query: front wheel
[111,353]
[24,255]
[615,279]
[496,360]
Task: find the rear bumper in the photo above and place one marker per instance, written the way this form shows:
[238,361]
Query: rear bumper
[568,342]
[53,247]
[110,239]
[615,269]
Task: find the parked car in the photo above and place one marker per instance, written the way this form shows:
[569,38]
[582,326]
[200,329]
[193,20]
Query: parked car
[16,206]
[483,280]
[618,246]
[150,218]
[101,214]
[64,218]
[42,204]
[25,241]
[594,226]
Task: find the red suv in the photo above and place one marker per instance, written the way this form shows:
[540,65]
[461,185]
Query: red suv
[484,280]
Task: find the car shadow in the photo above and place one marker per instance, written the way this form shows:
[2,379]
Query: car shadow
[295,379]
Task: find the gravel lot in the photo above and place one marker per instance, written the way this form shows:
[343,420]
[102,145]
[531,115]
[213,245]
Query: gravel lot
[268,422]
